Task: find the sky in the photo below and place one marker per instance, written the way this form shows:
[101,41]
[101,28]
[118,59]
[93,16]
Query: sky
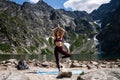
[81,5]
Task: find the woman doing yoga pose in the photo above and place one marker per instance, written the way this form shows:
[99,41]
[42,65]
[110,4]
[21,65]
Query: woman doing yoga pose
[58,34]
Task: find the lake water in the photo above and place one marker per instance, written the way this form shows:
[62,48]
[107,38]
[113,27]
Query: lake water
[80,57]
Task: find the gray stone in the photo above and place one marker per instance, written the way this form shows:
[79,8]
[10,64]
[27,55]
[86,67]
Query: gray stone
[79,78]
[102,74]
[94,63]
[91,66]
[76,64]
[45,64]
[64,75]
[84,66]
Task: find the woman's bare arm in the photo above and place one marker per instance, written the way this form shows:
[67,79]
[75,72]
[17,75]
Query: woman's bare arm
[63,31]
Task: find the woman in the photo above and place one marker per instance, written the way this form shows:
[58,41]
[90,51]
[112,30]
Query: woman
[58,34]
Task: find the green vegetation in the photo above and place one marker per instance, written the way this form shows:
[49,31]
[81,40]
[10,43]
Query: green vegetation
[87,51]
[46,51]
[32,48]
[5,47]
[91,34]
[51,43]
[77,42]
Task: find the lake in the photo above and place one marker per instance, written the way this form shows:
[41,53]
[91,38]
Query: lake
[80,57]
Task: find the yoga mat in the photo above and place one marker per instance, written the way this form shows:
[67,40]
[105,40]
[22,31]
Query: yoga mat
[56,72]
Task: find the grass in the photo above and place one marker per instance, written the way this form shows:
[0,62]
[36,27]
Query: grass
[5,47]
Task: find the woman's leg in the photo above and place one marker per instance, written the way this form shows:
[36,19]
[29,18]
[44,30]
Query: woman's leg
[57,57]
[65,53]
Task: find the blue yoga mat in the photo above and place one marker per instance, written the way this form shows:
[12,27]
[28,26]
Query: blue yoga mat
[56,72]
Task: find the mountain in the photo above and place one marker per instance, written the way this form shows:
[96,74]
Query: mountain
[27,28]
[105,9]
[109,37]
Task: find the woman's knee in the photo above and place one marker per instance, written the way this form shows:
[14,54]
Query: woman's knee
[69,55]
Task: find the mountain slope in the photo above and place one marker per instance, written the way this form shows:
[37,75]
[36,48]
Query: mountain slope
[27,28]
[109,37]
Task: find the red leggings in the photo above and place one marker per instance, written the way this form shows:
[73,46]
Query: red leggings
[58,50]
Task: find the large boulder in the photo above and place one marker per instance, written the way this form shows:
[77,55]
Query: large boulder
[64,74]
[101,74]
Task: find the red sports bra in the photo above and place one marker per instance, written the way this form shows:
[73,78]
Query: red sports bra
[58,40]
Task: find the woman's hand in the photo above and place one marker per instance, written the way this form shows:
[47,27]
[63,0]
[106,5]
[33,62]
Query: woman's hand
[61,28]
[58,25]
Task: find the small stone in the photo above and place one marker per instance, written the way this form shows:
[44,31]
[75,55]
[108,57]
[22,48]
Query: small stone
[102,66]
[118,60]
[79,78]
[11,61]
[95,63]
[85,62]
[91,66]
[3,62]
[84,66]
[75,65]
[114,66]
[118,65]
[45,64]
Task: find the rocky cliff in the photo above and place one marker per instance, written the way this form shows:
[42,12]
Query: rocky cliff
[109,37]
[105,9]
[27,28]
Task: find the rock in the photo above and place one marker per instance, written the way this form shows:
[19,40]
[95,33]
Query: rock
[3,68]
[74,61]
[64,75]
[85,62]
[84,66]
[118,65]
[45,64]
[75,65]
[102,74]
[53,65]
[79,78]
[91,66]
[94,63]
[8,64]
[114,66]
[2,62]
[108,66]
[118,60]
[13,61]
[35,63]
[102,66]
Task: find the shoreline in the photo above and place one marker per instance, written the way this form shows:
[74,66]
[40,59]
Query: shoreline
[8,70]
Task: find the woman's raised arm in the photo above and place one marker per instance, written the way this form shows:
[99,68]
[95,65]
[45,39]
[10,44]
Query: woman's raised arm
[63,31]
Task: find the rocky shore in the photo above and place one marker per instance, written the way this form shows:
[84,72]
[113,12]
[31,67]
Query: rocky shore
[93,70]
